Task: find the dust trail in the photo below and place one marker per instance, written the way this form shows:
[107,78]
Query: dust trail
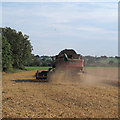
[90,77]
[61,76]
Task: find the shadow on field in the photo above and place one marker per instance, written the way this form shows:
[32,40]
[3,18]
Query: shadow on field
[31,80]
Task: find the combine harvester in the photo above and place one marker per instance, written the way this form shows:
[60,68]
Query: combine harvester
[67,60]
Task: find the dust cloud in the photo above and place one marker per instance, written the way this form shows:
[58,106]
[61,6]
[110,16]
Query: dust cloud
[88,77]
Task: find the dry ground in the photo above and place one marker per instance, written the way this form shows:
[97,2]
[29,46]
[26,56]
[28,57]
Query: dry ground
[95,96]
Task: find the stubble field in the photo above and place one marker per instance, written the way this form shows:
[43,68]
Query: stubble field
[93,95]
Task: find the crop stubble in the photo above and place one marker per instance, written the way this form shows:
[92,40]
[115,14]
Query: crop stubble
[95,96]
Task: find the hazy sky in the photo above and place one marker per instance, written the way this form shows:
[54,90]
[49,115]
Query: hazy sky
[91,28]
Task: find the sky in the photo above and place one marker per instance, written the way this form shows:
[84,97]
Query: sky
[90,28]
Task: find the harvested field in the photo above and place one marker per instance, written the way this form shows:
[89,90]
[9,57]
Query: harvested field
[95,96]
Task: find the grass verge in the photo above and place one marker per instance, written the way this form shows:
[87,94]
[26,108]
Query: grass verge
[37,68]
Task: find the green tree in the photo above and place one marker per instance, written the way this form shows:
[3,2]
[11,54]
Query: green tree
[6,55]
[0,49]
[20,46]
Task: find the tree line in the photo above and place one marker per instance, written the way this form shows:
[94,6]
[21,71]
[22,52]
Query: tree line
[89,61]
[37,60]
[93,61]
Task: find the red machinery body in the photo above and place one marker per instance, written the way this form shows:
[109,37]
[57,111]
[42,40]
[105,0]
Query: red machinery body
[67,59]
[70,64]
